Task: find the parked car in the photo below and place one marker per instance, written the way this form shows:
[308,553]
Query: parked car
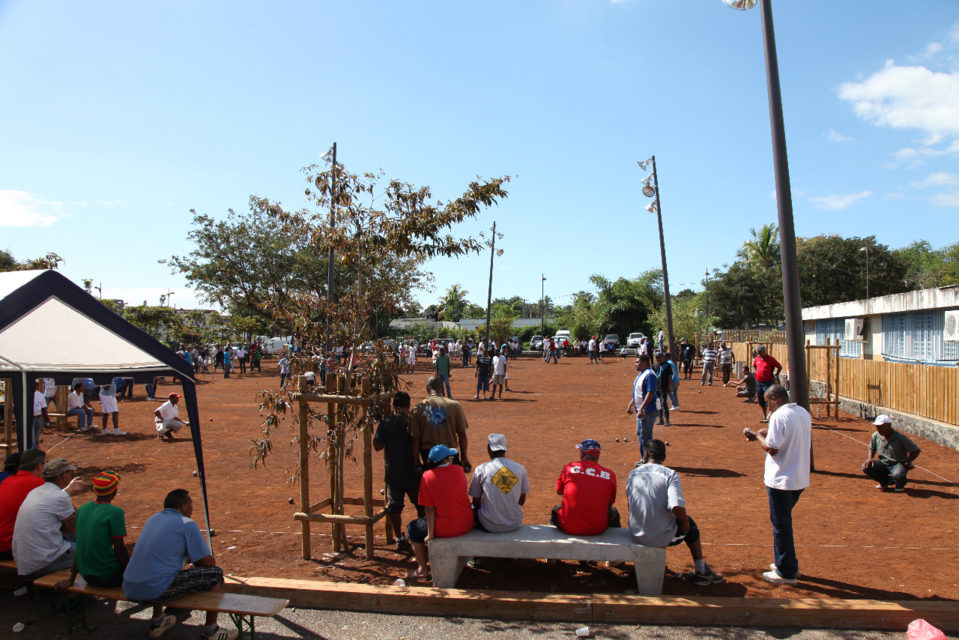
[634,340]
[612,341]
[562,335]
[536,343]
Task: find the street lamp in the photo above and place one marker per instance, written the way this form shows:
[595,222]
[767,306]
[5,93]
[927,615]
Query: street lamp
[542,308]
[707,294]
[489,296]
[651,189]
[792,305]
[329,266]
[866,249]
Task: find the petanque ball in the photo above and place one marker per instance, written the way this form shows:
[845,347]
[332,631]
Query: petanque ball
[211,419]
[381,492]
[195,474]
[625,439]
[290,500]
[678,576]
[617,439]
[667,444]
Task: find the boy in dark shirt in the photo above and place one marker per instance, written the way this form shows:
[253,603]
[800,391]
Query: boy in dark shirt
[664,375]
[401,479]
[746,388]
[483,365]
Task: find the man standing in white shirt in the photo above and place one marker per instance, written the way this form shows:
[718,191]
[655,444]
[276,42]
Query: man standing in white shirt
[498,489]
[591,349]
[78,406]
[167,417]
[40,416]
[241,358]
[108,408]
[499,376]
[787,444]
[39,544]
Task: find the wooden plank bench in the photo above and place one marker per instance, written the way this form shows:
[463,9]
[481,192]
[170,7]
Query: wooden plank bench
[448,556]
[241,608]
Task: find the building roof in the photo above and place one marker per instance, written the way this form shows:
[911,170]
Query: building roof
[922,300]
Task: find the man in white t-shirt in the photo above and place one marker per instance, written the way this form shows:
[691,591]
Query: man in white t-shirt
[498,489]
[591,349]
[78,406]
[40,417]
[167,417]
[108,407]
[241,354]
[787,444]
[499,376]
[40,545]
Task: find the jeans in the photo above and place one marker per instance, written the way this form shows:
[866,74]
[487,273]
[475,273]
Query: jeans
[644,428]
[61,562]
[227,368]
[781,503]
[761,387]
[446,382]
[83,413]
[554,354]
[664,412]
[708,367]
[242,362]
[881,473]
[35,433]
[482,382]
[673,393]
[150,391]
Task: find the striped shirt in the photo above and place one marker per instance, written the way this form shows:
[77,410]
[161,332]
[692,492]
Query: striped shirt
[709,356]
[726,356]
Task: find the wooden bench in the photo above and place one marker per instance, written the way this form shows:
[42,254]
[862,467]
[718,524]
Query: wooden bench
[448,556]
[241,608]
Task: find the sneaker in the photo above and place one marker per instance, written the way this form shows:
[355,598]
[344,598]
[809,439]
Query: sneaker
[222,634]
[881,487]
[667,424]
[775,578]
[675,409]
[660,424]
[104,433]
[772,565]
[899,489]
[475,397]
[166,623]
[707,578]
[117,432]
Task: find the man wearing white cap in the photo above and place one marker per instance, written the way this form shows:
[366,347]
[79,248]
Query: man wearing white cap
[896,455]
[499,489]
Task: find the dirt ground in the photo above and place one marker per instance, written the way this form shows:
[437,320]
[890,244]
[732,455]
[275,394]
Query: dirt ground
[852,541]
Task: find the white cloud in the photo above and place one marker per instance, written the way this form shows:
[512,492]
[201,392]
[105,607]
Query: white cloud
[908,98]
[930,51]
[898,195]
[940,179]
[835,202]
[22,209]
[835,136]
[954,33]
[945,200]
[107,203]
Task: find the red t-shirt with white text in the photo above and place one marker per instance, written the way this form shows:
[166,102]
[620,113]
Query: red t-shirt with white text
[445,489]
[588,490]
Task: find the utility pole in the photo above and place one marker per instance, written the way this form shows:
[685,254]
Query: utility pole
[542,307]
[329,269]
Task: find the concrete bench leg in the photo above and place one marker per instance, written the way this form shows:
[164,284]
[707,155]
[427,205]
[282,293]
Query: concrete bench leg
[446,570]
[649,574]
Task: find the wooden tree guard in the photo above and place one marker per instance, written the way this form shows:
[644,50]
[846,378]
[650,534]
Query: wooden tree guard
[336,518]
[832,375]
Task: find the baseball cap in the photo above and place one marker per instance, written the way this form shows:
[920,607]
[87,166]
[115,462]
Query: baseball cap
[496,442]
[174,395]
[106,483]
[761,348]
[589,447]
[56,467]
[441,452]
[882,419]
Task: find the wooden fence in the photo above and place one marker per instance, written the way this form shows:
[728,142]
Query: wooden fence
[921,390]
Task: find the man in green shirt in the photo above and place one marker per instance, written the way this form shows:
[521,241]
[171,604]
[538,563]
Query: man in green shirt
[443,370]
[896,454]
[101,526]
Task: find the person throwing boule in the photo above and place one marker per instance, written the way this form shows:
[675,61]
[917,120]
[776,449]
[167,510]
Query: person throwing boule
[896,455]
[787,444]
[167,417]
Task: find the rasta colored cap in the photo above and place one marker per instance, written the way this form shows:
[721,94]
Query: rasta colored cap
[106,483]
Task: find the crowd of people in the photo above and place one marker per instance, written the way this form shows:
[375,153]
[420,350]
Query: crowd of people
[43,533]
[226,358]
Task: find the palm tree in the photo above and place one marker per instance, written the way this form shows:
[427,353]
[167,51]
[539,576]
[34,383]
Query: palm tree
[763,250]
[451,304]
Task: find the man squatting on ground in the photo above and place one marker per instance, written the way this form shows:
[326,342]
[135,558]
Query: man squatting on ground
[392,435]
[167,417]
[787,445]
[438,420]
[896,455]
[499,489]
[657,511]
[155,574]
[588,491]
[645,401]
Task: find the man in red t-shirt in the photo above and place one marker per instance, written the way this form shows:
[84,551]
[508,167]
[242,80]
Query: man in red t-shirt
[763,367]
[14,491]
[449,514]
[588,491]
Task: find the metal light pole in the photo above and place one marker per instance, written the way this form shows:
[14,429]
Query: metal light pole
[792,305]
[489,295]
[662,250]
[329,269]
[707,295]
[866,249]
[542,307]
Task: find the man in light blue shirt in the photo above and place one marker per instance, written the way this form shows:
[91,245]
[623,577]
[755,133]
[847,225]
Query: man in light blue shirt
[155,574]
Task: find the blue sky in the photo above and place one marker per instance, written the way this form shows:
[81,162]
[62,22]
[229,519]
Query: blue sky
[119,117]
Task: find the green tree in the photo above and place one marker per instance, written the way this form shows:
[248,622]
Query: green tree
[452,303]
[743,295]
[762,250]
[689,317]
[624,306]
[928,267]
[160,322]
[832,269]
[9,263]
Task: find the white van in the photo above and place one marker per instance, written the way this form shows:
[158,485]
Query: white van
[563,335]
[274,346]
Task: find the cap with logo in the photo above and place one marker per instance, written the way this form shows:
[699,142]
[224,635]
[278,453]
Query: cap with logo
[589,447]
[496,442]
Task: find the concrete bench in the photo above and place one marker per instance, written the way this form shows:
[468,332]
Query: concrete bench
[241,608]
[448,556]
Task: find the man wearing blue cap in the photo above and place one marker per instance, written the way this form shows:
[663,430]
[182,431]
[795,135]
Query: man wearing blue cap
[588,491]
[448,510]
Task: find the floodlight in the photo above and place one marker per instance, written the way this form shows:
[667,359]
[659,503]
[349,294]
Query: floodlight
[648,191]
[651,207]
[499,252]
[644,163]
[740,5]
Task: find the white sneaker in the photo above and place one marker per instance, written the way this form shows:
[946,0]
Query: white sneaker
[675,409]
[775,578]
[104,433]
[166,623]
[117,432]
[223,634]
[772,565]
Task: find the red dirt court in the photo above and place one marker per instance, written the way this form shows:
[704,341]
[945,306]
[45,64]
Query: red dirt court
[852,541]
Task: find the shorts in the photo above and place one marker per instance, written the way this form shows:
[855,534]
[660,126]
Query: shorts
[691,537]
[761,387]
[417,530]
[395,497]
[108,582]
[189,581]
[482,382]
[498,380]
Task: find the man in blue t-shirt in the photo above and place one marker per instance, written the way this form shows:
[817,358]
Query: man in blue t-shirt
[155,574]
[645,401]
